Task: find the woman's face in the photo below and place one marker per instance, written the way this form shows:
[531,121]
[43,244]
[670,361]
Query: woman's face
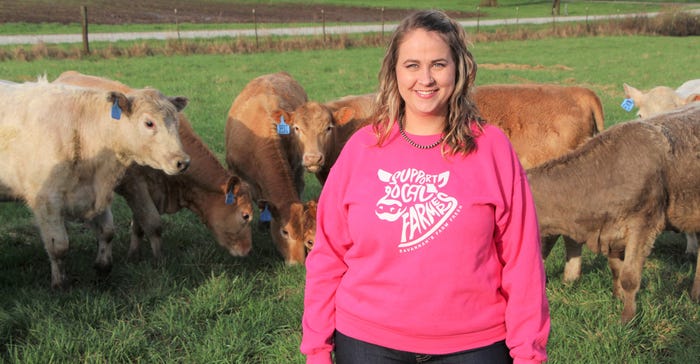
[425,74]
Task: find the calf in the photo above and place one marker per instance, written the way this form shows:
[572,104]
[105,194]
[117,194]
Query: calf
[203,189]
[659,100]
[64,149]
[269,157]
[618,191]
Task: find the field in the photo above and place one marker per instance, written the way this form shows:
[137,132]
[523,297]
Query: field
[203,306]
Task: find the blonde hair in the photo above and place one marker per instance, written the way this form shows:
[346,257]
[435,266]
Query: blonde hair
[462,114]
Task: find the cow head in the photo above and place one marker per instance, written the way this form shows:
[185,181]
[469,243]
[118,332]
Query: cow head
[312,125]
[658,100]
[291,234]
[229,214]
[149,123]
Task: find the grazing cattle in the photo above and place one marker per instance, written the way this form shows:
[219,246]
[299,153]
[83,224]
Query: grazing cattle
[618,191]
[203,189]
[659,100]
[63,149]
[662,98]
[260,151]
[542,121]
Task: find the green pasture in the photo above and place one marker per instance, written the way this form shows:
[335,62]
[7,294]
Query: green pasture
[506,9]
[203,306]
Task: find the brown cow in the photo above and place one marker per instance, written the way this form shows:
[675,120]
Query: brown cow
[618,191]
[542,121]
[63,150]
[270,161]
[202,188]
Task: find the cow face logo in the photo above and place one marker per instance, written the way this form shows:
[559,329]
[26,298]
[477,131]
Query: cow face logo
[413,198]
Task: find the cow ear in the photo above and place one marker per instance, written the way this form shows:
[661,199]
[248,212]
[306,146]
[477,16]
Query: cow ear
[125,103]
[691,98]
[343,115]
[277,116]
[232,185]
[179,101]
[631,92]
[310,208]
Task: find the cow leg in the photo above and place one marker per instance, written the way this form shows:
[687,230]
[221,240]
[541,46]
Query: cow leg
[636,253]
[55,237]
[548,243]
[572,269]
[145,220]
[103,224]
[615,261]
[695,292]
[691,245]
[135,238]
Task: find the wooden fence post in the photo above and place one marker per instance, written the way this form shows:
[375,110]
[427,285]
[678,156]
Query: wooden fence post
[86,44]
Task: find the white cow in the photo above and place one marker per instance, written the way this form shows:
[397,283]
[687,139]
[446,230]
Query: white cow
[63,149]
[661,99]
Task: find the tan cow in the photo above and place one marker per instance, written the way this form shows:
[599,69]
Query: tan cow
[63,149]
[269,161]
[203,189]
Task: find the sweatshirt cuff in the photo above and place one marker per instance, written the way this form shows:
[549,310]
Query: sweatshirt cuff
[319,358]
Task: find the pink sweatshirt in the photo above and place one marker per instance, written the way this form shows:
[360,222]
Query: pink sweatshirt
[426,254]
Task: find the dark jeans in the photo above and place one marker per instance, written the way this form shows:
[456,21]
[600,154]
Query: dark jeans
[353,351]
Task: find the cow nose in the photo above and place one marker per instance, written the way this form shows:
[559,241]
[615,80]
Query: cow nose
[312,159]
[183,164]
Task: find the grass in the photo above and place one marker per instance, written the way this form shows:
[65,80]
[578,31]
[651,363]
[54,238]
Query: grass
[203,306]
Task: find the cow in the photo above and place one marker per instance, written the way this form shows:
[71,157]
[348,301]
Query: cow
[63,150]
[203,189]
[618,192]
[662,99]
[264,147]
[542,121]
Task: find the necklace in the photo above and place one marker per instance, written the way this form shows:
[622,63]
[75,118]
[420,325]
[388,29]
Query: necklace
[416,145]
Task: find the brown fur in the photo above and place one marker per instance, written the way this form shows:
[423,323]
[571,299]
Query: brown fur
[542,121]
[270,162]
[202,188]
[618,191]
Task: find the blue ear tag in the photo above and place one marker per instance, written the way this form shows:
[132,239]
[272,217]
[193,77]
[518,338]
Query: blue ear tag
[282,128]
[265,215]
[627,104]
[230,198]
[116,110]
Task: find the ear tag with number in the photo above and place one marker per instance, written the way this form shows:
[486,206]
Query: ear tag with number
[627,104]
[116,110]
[230,198]
[282,128]
[265,215]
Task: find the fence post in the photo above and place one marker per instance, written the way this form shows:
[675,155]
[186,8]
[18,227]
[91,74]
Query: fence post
[323,23]
[478,17]
[177,25]
[255,22]
[382,24]
[86,44]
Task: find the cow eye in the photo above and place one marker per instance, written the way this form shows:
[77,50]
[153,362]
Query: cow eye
[149,124]
[329,128]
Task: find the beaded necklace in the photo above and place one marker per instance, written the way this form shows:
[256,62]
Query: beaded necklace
[416,145]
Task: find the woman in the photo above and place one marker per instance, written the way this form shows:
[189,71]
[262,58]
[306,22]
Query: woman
[427,244]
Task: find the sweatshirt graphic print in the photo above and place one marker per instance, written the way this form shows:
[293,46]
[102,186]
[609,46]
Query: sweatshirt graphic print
[414,200]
